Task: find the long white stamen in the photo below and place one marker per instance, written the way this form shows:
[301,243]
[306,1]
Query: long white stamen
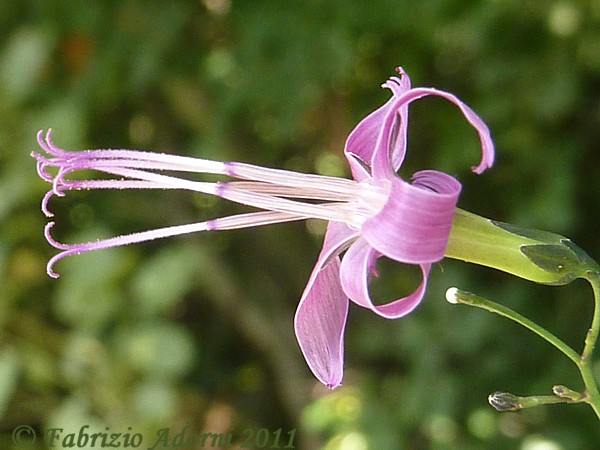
[249,220]
[164,180]
[291,179]
[224,223]
[283,196]
[335,212]
[175,163]
[313,193]
[341,212]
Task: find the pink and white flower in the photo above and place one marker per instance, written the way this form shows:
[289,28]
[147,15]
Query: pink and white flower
[373,215]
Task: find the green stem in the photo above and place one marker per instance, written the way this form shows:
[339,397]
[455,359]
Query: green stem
[457,296]
[534,255]
[583,362]
[585,365]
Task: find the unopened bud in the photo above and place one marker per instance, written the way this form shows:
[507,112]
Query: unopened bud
[504,401]
[566,393]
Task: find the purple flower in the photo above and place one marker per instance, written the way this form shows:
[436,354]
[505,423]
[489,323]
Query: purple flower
[376,214]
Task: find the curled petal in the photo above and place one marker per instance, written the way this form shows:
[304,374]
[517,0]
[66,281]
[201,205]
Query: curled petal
[377,145]
[435,181]
[414,225]
[487,145]
[321,315]
[355,272]
[363,141]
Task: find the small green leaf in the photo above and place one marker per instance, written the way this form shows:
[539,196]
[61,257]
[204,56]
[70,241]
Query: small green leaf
[565,259]
[554,259]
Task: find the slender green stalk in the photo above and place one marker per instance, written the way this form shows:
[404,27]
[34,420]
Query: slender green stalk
[586,362]
[583,361]
[541,257]
[455,295]
[505,401]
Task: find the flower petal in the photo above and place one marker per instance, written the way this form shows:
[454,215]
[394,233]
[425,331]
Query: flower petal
[356,269]
[361,143]
[414,225]
[363,140]
[321,315]
[487,145]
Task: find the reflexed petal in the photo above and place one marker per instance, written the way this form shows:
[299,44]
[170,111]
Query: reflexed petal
[321,315]
[487,146]
[363,140]
[414,225]
[355,272]
[360,144]
[378,142]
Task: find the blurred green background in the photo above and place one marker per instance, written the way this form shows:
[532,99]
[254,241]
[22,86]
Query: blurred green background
[198,330]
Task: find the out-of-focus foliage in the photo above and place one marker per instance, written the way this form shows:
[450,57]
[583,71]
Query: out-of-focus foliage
[198,330]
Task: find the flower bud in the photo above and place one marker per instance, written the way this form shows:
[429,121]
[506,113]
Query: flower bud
[504,401]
